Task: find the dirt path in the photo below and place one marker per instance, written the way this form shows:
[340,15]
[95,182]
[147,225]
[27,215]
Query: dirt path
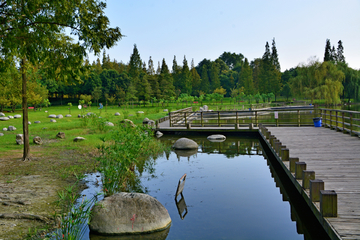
[28,190]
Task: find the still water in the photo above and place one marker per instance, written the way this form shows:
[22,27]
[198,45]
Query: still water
[229,193]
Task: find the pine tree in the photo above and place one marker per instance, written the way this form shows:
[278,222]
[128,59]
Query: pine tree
[214,77]
[205,86]
[185,78]
[333,54]
[167,88]
[151,69]
[327,55]
[195,79]
[274,56]
[135,65]
[246,78]
[340,52]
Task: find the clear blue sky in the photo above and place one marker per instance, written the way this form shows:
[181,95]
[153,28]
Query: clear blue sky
[202,29]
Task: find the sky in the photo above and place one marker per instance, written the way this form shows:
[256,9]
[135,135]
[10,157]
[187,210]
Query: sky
[201,29]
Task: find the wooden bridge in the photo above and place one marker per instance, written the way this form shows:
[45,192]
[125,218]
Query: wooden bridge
[323,163]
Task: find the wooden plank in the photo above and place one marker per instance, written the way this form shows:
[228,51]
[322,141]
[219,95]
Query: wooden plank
[335,158]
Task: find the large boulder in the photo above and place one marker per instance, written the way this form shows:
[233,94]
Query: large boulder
[19,139]
[2,114]
[37,140]
[185,143]
[17,116]
[4,118]
[11,117]
[59,116]
[117,114]
[52,116]
[4,129]
[52,120]
[60,135]
[67,115]
[129,213]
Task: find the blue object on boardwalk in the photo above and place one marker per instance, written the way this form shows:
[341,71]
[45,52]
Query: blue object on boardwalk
[317,121]
[100,106]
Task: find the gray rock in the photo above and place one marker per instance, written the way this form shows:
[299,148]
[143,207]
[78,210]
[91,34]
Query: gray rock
[79,115]
[185,143]
[185,153]
[131,115]
[112,215]
[59,116]
[52,116]
[206,108]
[128,122]
[78,139]
[165,110]
[37,140]
[216,137]
[146,120]
[17,116]
[159,134]
[19,139]
[37,122]
[60,135]
[110,124]
[90,113]
[4,119]
[117,114]
[201,109]
[1,134]
[4,129]
[29,123]
[140,112]
[2,114]
[11,117]
[11,128]
[67,115]
[52,120]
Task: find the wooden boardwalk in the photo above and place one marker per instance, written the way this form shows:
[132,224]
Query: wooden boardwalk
[335,158]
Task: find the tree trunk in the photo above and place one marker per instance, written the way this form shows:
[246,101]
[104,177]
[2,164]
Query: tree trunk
[26,155]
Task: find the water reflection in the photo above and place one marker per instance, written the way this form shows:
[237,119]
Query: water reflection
[181,206]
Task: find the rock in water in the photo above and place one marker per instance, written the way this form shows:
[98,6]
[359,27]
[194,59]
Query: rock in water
[158,134]
[216,137]
[37,140]
[60,135]
[185,143]
[19,139]
[129,213]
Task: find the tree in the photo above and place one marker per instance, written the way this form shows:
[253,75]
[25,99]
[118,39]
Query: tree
[340,52]
[135,64]
[246,79]
[327,54]
[96,93]
[186,84]
[167,88]
[195,80]
[274,56]
[34,31]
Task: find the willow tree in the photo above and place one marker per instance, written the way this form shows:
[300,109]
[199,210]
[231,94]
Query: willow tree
[39,31]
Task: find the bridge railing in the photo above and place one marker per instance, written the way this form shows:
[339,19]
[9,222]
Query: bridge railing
[341,120]
[279,117]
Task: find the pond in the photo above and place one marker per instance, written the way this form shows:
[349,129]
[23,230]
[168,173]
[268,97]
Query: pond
[231,192]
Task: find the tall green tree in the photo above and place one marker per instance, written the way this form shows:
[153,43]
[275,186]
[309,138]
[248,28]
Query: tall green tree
[340,52]
[327,54]
[214,76]
[186,84]
[167,89]
[135,64]
[274,56]
[195,80]
[246,79]
[35,31]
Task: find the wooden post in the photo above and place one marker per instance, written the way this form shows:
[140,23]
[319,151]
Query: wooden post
[277,122]
[330,120]
[328,203]
[202,119]
[251,126]
[256,119]
[292,163]
[298,112]
[315,186]
[236,126]
[306,177]
[237,118]
[285,154]
[351,125]
[188,126]
[336,119]
[277,145]
[267,134]
[343,121]
[169,119]
[185,119]
[219,119]
[299,168]
[271,140]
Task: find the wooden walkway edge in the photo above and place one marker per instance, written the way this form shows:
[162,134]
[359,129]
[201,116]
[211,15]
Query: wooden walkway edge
[335,159]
